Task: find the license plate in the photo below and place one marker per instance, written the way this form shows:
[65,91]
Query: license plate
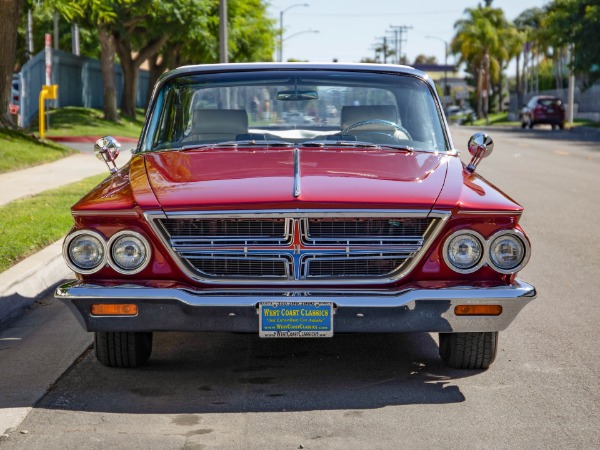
[295,319]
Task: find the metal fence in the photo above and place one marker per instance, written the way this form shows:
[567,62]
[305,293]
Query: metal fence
[79,80]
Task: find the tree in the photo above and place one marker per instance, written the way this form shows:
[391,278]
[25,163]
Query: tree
[423,59]
[478,42]
[9,21]
[251,37]
[528,24]
[99,15]
[576,23]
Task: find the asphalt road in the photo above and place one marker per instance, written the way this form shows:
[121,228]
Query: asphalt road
[377,391]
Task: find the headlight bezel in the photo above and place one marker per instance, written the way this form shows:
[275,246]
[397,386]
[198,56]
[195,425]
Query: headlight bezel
[67,255]
[482,244]
[115,266]
[486,258]
[520,236]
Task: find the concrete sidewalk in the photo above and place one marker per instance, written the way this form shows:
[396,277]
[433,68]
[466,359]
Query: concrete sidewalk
[26,281]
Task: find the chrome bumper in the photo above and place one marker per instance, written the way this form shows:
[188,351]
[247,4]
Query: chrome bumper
[379,311]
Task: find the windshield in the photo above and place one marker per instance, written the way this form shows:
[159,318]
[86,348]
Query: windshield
[295,107]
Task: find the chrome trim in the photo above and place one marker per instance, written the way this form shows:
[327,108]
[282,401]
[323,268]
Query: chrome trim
[482,259]
[408,308]
[526,250]
[297,172]
[492,213]
[75,268]
[429,237]
[301,213]
[118,268]
[105,213]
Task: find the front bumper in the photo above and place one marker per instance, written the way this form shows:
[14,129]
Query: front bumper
[378,311]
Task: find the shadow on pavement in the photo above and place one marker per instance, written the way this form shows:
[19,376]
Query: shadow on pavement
[225,373]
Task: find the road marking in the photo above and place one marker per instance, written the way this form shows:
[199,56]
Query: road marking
[561,153]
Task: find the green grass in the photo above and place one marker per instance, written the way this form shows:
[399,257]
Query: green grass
[584,123]
[19,150]
[501,119]
[496,119]
[76,121]
[30,224]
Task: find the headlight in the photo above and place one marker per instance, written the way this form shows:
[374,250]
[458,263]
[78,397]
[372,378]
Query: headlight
[84,251]
[507,252]
[129,252]
[463,251]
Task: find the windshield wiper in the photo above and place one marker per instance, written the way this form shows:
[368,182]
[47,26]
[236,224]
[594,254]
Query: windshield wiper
[339,144]
[245,143]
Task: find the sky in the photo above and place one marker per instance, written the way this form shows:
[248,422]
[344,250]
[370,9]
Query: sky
[349,29]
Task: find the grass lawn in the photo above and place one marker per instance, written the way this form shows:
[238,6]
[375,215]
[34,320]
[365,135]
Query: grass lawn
[76,121]
[497,119]
[19,150]
[30,224]
[501,119]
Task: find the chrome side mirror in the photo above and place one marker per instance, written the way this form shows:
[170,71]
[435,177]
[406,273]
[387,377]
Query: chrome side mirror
[107,148]
[480,146]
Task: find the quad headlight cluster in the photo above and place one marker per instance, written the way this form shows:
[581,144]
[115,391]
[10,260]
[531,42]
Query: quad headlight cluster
[86,252]
[466,251]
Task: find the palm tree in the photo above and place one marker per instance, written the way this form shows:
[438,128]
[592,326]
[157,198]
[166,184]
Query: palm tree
[479,44]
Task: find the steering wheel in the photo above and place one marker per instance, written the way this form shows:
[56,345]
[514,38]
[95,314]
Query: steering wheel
[378,121]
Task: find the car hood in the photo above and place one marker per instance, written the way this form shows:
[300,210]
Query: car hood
[328,177]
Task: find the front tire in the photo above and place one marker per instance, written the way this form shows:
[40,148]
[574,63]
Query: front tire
[468,350]
[123,348]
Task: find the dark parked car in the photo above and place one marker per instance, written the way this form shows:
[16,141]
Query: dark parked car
[543,109]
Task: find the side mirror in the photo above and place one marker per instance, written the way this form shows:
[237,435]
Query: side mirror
[480,146]
[107,148]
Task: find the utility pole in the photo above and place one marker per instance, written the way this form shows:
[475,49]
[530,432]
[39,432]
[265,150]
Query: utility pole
[223,47]
[399,30]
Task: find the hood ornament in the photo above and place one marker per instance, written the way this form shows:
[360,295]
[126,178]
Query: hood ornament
[107,148]
[480,146]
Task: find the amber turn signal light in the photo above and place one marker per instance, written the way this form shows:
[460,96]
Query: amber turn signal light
[103,309]
[478,310]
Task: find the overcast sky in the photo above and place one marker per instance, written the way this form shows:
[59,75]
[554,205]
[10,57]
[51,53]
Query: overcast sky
[348,29]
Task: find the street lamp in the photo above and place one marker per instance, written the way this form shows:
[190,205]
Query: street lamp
[445,61]
[280,58]
[300,32]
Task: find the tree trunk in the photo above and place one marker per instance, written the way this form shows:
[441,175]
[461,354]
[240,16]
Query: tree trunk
[518,83]
[130,68]
[9,21]
[107,64]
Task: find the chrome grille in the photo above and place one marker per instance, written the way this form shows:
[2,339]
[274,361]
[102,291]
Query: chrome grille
[301,247]
[365,265]
[227,231]
[364,230]
[263,266]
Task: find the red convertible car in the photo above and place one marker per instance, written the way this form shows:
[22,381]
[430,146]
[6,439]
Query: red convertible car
[233,217]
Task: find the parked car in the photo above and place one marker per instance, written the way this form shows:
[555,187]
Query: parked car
[543,109]
[15,95]
[460,116]
[367,223]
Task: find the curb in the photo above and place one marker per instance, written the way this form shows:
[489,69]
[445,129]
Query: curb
[30,279]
